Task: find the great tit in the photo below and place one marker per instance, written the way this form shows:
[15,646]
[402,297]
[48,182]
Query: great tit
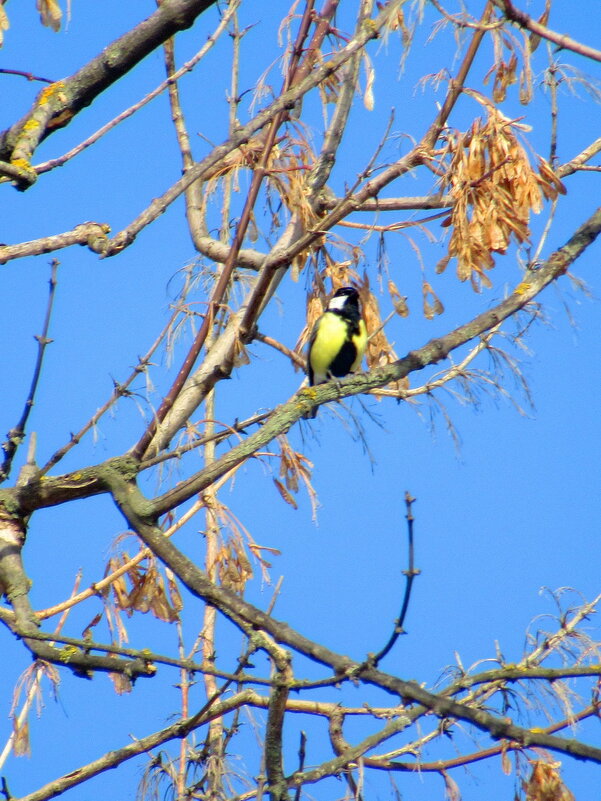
[338,340]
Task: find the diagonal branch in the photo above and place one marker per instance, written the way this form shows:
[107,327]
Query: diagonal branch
[434,351]
[56,105]
[134,507]
[560,39]
[118,756]
[101,478]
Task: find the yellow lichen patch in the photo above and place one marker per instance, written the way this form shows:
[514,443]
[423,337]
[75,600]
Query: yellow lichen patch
[48,93]
[67,653]
[523,288]
[31,125]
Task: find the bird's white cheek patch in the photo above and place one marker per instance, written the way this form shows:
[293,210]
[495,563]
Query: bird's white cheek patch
[337,304]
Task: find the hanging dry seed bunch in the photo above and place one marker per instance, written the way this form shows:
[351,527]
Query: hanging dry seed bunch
[294,469]
[148,592]
[290,165]
[495,189]
[545,783]
[379,350]
[233,566]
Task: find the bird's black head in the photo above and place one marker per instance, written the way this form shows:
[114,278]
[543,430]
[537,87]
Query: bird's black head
[346,296]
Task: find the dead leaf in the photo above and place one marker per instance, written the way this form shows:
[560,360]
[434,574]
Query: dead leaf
[50,14]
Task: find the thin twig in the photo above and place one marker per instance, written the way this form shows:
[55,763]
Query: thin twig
[29,75]
[302,753]
[120,391]
[16,434]
[409,574]
[294,357]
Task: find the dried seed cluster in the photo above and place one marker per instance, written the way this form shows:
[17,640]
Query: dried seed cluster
[495,189]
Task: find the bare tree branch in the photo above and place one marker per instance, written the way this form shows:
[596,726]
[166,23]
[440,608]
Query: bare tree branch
[91,234]
[561,40]
[56,105]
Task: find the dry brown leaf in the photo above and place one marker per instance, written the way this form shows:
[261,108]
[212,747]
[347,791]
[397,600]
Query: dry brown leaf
[87,632]
[21,743]
[548,180]
[287,496]
[121,682]
[534,39]
[399,301]
[4,23]
[50,13]
[505,76]
[431,302]
[119,585]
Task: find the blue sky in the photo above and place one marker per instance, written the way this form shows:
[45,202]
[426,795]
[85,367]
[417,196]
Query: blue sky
[510,509]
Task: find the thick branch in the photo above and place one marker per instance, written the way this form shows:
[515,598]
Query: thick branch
[274,758]
[100,478]
[134,508]
[15,585]
[61,101]
[90,233]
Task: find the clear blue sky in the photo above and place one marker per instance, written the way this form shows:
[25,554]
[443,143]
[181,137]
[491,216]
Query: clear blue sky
[515,507]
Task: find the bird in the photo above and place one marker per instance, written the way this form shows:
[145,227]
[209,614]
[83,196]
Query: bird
[338,340]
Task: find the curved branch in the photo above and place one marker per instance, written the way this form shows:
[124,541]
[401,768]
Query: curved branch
[284,102]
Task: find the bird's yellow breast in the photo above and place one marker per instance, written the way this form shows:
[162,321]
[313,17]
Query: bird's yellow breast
[332,332]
